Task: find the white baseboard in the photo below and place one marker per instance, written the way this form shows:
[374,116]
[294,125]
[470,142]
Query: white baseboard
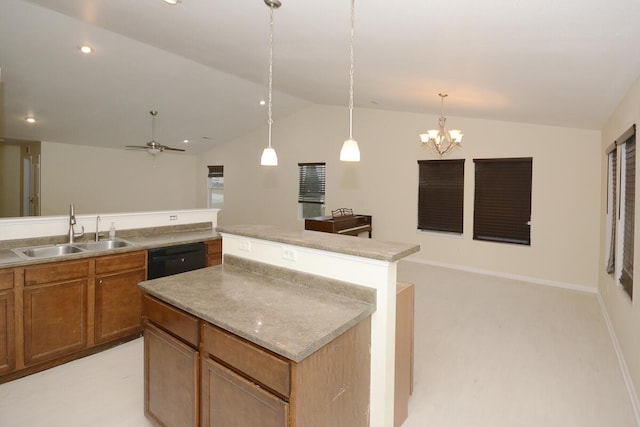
[535,280]
[633,394]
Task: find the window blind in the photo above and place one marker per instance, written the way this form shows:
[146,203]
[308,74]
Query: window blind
[502,200]
[611,194]
[441,195]
[312,182]
[626,276]
[216,171]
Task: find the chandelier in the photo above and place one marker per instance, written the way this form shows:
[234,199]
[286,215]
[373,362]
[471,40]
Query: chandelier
[441,140]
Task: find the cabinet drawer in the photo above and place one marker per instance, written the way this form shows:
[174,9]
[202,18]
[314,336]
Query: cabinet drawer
[127,261]
[170,319]
[56,272]
[248,359]
[6,279]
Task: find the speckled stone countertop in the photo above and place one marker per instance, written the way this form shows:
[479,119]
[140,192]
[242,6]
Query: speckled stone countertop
[144,238]
[367,248]
[283,311]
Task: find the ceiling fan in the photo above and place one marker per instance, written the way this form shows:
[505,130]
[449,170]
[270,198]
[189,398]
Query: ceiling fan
[152,146]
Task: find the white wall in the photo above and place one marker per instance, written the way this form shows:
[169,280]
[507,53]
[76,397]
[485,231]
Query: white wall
[104,180]
[566,176]
[623,314]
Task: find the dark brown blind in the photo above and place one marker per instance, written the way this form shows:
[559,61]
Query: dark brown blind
[626,276]
[312,182]
[441,195]
[216,171]
[502,200]
[612,176]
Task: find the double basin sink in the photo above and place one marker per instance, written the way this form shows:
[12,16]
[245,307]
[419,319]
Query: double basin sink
[49,251]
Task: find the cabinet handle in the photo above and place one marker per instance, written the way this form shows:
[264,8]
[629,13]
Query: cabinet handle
[100,282]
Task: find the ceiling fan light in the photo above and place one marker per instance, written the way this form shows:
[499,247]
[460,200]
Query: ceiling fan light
[154,151]
[350,151]
[269,157]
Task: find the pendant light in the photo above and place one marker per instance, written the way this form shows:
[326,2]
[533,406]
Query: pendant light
[269,157]
[350,151]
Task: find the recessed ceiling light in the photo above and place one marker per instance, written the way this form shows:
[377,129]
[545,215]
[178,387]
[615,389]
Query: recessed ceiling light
[186,141]
[30,119]
[173,2]
[86,49]
[263,102]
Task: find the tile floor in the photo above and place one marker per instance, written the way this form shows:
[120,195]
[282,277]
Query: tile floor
[489,352]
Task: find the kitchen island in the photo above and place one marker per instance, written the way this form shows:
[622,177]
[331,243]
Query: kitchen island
[370,263]
[251,344]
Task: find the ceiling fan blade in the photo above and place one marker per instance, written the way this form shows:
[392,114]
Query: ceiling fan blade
[135,147]
[173,149]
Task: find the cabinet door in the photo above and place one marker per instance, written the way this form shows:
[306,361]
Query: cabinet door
[55,320]
[118,310]
[7,335]
[171,374]
[229,400]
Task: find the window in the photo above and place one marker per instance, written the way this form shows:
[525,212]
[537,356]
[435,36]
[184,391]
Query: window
[627,210]
[215,182]
[311,190]
[502,200]
[621,188]
[441,195]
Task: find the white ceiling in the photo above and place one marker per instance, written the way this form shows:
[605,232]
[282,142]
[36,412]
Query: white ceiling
[203,63]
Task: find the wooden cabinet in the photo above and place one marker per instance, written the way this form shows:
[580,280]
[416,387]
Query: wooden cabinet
[241,379]
[231,400]
[118,300]
[171,370]
[55,310]
[197,374]
[171,365]
[7,328]
[214,252]
[405,296]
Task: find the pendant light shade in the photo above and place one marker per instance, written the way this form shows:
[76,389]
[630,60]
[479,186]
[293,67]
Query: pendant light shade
[269,157]
[350,151]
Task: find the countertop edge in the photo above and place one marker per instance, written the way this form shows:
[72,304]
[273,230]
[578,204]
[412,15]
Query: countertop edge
[348,245]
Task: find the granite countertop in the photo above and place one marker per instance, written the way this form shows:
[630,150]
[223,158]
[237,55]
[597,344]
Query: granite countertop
[290,318]
[367,248]
[145,238]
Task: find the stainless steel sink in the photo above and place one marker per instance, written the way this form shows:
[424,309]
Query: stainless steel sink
[50,251]
[104,245]
[47,251]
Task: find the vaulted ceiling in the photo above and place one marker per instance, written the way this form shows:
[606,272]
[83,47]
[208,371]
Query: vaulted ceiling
[203,63]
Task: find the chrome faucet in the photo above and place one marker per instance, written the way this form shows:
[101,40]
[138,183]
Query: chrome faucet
[72,222]
[97,228]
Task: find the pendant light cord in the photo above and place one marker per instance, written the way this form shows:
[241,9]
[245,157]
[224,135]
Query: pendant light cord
[270,121]
[351,71]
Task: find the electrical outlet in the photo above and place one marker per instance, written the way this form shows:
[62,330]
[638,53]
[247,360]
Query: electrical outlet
[244,245]
[289,254]
[173,217]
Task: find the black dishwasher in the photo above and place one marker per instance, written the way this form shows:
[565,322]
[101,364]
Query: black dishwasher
[176,259]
